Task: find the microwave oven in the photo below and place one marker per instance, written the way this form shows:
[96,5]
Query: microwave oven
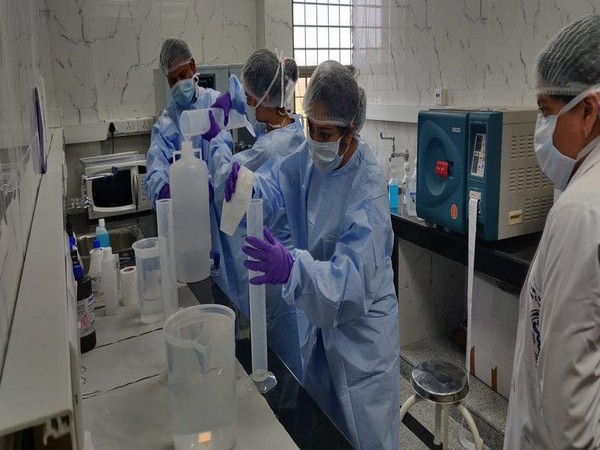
[113,185]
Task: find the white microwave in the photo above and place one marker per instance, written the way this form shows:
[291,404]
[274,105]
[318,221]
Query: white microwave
[113,185]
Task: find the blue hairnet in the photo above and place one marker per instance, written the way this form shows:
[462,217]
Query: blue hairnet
[269,78]
[570,63]
[341,102]
[173,54]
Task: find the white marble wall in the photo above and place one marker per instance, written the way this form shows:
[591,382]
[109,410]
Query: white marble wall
[482,51]
[104,52]
[24,58]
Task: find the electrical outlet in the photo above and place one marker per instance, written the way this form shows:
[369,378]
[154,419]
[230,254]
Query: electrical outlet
[125,126]
[440,97]
[145,124]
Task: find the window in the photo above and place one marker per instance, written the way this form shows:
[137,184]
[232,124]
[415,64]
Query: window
[322,31]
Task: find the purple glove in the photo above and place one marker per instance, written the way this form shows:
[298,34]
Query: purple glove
[231,181]
[214,127]
[211,192]
[271,257]
[223,101]
[165,192]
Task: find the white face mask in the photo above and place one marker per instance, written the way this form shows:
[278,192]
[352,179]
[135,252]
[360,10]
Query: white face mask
[554,164]
[325,154]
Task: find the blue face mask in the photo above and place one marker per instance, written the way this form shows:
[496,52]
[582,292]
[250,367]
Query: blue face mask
[183,92]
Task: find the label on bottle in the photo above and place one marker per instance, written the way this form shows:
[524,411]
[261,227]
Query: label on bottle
[85,316]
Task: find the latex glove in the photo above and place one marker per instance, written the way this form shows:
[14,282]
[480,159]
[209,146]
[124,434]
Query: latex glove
[165,192]
[214,127]
[223,101]
[211,193]
[271,257]
[231,181]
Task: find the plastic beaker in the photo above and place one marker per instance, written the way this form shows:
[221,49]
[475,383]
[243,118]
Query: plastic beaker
[147,260]
[201,373]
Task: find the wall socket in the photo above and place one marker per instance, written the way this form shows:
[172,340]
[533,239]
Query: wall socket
[440,97]
[134,125]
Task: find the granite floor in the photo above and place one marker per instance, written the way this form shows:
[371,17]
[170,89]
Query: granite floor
[488,408]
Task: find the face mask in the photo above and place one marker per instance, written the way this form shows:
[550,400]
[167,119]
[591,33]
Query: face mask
[259,127]
[557,167]
[183,92]
[325,154]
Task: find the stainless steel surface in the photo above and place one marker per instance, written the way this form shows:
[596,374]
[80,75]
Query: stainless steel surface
[394,154]
[440,382]
[120,239]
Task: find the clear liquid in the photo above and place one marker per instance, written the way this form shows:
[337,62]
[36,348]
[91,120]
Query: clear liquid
[151,309]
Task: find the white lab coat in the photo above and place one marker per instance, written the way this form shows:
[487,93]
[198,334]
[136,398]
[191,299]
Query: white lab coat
[555,392]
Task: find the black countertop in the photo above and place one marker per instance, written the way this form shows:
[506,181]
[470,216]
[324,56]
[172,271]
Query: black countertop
[507,260]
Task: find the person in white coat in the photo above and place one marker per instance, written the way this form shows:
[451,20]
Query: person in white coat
[555,392]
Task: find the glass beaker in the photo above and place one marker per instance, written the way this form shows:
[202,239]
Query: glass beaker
[147,260]
[201,373]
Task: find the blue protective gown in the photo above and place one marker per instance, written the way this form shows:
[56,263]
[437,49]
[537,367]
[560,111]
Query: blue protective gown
[342,278]
[282,319]
[166,138]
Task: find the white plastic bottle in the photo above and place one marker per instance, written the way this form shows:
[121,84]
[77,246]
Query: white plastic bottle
[102,234]
[188,179]
[404,189]
[109,282]
[95,272]
[412,193]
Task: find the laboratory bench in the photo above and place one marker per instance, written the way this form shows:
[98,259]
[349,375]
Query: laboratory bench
[507,261]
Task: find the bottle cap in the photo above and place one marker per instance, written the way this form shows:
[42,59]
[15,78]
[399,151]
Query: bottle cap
[96,243]
[101,222]
[77,271]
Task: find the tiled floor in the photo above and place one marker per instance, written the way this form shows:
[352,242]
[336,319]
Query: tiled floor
[488,408]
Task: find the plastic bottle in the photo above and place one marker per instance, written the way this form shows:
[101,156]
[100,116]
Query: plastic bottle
[102,234]
[95,272]
[85,310]
[411,206]
[75,256]
[404,188]
[109,283]
[188,179]
[393,188]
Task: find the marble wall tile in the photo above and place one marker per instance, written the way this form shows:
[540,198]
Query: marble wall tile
[431,294]
[24,59]
[104,52]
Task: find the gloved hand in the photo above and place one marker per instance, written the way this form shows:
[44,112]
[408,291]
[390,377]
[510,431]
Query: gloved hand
[211,193]
[231,181]
[214,127]
[165,192]
[271,257]
[223,101]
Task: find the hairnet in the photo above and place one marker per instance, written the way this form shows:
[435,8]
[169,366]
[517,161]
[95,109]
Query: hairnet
[262,78]
[570,63]
[342,102]
[173,54]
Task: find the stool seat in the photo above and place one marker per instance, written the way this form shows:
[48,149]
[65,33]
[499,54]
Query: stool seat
[440,382]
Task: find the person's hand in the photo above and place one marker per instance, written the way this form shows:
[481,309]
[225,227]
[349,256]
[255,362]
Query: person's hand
[270,257]
[165,192]
[231,181]
[223,101]
[214,127]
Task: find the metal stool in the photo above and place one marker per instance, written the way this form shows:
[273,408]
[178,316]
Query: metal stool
[443,384]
